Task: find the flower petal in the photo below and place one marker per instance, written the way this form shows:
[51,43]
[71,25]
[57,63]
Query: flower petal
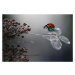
[64,39]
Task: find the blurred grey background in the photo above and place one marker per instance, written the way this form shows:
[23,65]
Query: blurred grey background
[40,49]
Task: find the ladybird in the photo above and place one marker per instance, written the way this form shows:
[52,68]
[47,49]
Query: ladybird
[49,26]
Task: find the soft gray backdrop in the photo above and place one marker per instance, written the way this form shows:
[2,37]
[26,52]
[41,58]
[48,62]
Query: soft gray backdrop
[40,49]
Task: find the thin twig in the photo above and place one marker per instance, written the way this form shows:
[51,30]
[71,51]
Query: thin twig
[40,34]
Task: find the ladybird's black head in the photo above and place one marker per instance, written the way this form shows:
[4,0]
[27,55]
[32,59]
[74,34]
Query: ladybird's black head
[45,26]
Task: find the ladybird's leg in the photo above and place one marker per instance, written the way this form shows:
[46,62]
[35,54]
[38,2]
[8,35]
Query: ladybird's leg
[48,29]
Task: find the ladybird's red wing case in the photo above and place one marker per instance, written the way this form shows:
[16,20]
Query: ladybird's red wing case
[50,25]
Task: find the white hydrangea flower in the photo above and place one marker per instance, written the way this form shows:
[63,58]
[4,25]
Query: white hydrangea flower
[54,37]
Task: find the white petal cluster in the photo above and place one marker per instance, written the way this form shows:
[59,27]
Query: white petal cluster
[55,37]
